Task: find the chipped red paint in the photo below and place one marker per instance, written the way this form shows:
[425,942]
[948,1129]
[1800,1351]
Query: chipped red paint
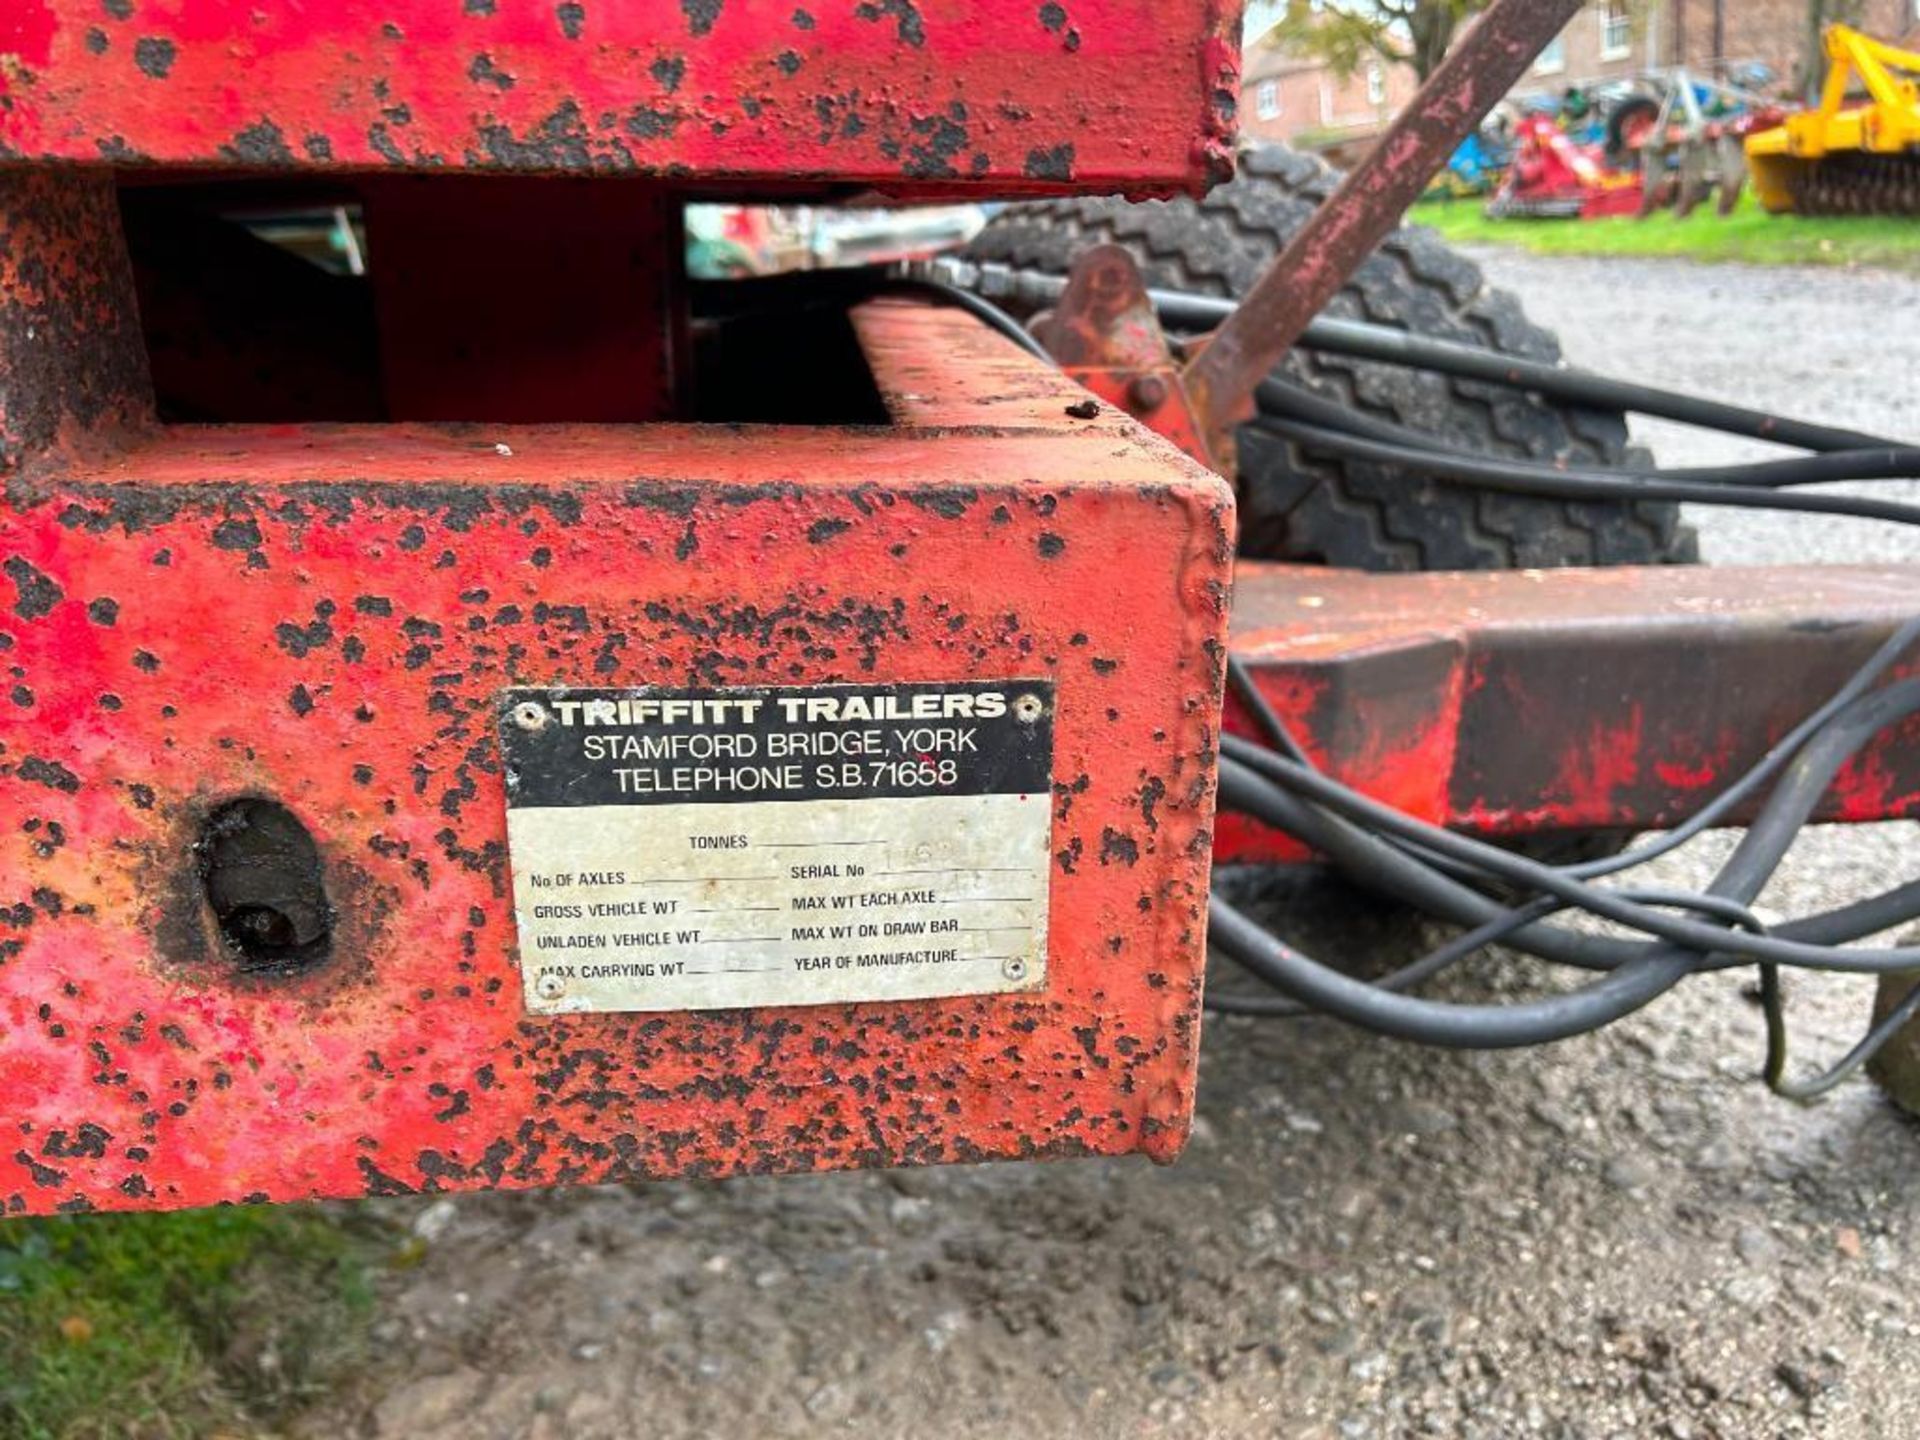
[1214,145]
[912,96]
[1566,700]
[324,614]
[1386,723]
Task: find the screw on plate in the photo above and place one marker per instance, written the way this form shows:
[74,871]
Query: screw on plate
[529,716]
[1014,968]
[1028,708]
[550,987]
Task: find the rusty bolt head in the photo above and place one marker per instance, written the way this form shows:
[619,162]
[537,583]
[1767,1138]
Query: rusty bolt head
[1108,282]
[1147,392]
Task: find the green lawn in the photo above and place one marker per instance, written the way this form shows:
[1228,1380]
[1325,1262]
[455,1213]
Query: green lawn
[1749,235]
[164,1327]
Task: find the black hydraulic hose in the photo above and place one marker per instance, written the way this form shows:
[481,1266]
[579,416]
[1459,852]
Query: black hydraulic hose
[1433,1022]
[1894,462]
[1360,853]
[1812,1088]
[1471,942]
[1856,921]
[1241,682]
[1900,462]
[1354,338]
[1410,876]
[1362,341]
[1629,988]
[843,286]
[983,310]
[1407,976]
[1382,866]
[1579,387]
[1524,478]
[1789,806]
[1609,904]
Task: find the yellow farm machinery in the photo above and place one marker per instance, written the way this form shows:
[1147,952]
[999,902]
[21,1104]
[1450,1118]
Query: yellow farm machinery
[1844,158]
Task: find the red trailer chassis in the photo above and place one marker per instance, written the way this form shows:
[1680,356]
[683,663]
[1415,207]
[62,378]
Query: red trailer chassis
[256,663]
[1542,703]
[321,616]
[926,97]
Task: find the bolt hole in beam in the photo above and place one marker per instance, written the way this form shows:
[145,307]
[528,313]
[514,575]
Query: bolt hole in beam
[260,871]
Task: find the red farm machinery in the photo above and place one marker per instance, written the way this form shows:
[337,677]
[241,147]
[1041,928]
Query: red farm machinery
[1672,142]
[485,709]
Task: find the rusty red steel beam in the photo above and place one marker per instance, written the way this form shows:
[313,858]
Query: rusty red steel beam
[914,97]
[1557,701]
[1347,227]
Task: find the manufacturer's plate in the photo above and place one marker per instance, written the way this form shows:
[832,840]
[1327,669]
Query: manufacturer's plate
[807,845]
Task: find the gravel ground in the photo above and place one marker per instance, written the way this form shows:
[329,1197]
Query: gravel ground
[1623,1236]
[1838,347]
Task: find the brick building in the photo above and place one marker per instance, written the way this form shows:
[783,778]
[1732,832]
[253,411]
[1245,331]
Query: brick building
[1306,103]
[1616,39]
[1303,101]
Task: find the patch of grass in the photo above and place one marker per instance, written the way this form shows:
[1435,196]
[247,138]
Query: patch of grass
[1749,235]
[204,1323]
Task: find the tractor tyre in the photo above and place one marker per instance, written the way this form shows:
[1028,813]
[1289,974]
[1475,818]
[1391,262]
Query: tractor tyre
[1353,514]
[1628,126]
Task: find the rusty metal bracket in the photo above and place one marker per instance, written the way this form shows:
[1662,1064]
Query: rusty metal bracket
[1104,333]
[1485,64]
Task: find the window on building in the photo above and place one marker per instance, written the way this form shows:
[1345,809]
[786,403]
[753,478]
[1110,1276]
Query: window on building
[1616,29]
[1377,83]
[1553,59]
[1266,98]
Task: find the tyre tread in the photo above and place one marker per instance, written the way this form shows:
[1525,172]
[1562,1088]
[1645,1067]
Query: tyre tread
[1353,514]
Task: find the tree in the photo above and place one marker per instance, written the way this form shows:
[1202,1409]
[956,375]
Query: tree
[1347,34]
[1813,64]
